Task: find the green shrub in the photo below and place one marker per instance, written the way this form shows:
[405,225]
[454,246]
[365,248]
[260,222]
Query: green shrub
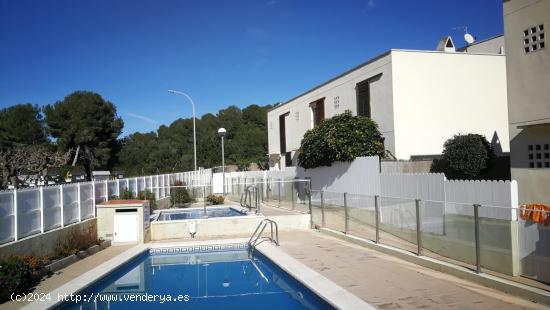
[126,194]
[215,199]
[18,274]
[464,157]
[343,137]
[179,195]
[148,195]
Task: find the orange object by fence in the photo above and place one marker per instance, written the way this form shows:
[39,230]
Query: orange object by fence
[537,213]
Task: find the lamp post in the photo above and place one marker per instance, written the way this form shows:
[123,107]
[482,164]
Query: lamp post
[221,133]
[194,131]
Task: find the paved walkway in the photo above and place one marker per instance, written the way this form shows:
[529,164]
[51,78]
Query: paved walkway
[387,282]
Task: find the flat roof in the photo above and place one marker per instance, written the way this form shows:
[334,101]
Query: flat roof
[378,57]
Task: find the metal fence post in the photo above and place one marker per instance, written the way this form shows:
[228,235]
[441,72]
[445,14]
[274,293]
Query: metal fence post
[279,190]
[93,197]
[78,201]
[41,199]
[346,215]
[418,228]
[377,217]
[476,229]
[15,214]
[61,205]
[322,210]
[106,190]
[292,195]
[309,204]
[118,189]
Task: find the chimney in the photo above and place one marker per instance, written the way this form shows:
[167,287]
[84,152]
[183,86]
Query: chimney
[446,44]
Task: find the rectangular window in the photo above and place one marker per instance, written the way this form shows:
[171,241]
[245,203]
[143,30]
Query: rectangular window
[282,132]
[318,111]
[363,94]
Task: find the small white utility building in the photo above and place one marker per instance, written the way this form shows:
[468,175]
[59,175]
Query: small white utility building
[418,98]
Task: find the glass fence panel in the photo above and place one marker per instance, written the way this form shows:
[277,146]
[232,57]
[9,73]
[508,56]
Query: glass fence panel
[534,242]
[316,213]
[28,212]
[333,211]
[451,237]
[398,222]
[7,217]
[52,207]
[361,216]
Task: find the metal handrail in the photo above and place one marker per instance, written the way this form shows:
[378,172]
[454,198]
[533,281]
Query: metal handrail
[246,198]
[253,241]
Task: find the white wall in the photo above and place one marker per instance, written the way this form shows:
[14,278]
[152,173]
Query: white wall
[358,177]
[437,95]
[344,88]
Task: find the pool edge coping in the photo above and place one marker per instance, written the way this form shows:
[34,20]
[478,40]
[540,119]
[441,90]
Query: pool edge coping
[325,288]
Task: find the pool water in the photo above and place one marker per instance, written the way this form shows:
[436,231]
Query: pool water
[198,214]
[211,280]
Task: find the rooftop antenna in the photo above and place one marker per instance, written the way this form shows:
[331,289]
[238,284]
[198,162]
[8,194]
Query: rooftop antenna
[467,37]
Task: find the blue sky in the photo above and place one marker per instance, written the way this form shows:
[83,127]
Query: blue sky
[219,52]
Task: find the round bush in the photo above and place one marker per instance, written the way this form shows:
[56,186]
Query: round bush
[340,138]
[464,157]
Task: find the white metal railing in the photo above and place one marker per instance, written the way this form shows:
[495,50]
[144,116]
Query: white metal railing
[31,211]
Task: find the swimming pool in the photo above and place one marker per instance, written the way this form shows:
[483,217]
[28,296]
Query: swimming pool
[213,277]
[197,213]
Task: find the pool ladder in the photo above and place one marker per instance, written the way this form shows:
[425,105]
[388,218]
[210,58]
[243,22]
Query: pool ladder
[256,237]
[249,196]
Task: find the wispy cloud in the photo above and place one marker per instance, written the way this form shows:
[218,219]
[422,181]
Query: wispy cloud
[271,2]
[370,4]
[141,117]
[256,33]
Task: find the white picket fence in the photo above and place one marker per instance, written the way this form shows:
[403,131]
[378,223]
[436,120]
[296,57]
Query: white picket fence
[30,211]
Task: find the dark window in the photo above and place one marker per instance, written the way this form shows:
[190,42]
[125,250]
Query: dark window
[362,91]
[546,146]
[318,109]
[547,164]
[537,147]
[530,147]
[282,132]
[539,165]
[530,156]
[531,165]
[538,156]
[546,155]
[288,159]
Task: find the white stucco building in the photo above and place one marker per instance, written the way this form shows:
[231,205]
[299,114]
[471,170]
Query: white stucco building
[418,98]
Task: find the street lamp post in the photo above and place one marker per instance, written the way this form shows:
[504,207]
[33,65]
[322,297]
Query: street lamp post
[221,133]
[194,131]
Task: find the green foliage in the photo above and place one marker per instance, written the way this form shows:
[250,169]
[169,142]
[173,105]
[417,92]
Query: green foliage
[85,119]
[15,277]
[127,194]
[215,199]
[464,157]
[21,124]
[179,195]
[171,147]
[340,138]
[148,195]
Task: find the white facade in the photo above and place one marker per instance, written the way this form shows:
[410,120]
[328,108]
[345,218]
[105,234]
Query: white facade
[418,98]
